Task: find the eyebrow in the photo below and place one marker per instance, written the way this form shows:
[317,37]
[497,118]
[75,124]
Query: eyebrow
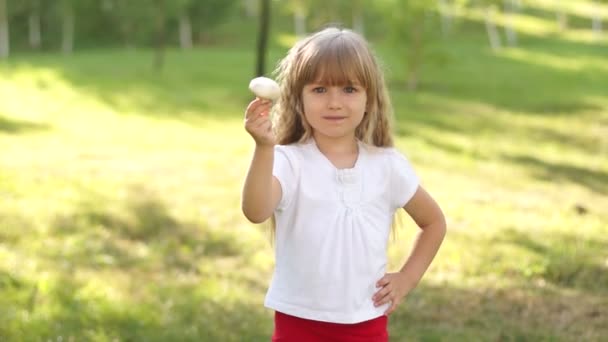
[324,84]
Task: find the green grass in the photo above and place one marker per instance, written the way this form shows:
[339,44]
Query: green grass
[119,192]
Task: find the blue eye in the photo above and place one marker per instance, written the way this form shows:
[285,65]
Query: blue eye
[319,90]
[350,89]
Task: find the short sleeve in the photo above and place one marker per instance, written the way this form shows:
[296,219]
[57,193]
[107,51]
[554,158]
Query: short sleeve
[404,180]
[285,170]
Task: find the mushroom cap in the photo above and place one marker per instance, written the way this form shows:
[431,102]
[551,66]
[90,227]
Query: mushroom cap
[264,87]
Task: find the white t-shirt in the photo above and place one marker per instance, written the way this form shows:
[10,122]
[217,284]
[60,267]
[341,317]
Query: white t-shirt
[332,229]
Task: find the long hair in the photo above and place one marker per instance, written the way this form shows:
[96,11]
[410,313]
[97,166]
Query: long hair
[333,57]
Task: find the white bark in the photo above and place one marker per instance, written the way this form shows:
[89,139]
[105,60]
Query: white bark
[597,24]
[299,22]
[4,36]
[251,8]
[562,16]
[491,30]
[510,10]
[185,32]
[67,30]
[447,14]
[358,24]
[35,36]
[357,20]
[597,19]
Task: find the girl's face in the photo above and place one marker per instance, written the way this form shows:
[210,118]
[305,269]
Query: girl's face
[334,111]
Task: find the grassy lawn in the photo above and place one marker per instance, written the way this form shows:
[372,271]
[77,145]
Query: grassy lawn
[119,193]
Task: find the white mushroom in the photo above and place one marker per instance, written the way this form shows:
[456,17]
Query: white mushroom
[265,88]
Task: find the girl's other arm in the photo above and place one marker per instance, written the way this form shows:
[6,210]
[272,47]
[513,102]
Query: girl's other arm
[429,217]
[261,191]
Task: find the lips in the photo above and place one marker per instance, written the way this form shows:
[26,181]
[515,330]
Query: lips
[334,118]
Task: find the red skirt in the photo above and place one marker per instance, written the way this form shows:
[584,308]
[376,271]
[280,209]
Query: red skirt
[294,329]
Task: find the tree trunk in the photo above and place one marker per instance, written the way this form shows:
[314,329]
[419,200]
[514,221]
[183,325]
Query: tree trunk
[491,30]
[415,55]
[263,37]
[4,36]
[126,29]
[67,29]
[446,11]
[597,19]
[35,36]
[185,31]
[250,9]
[159,59]
[597,24]
[358,25]
[299,21]
[510,10]
[562,16]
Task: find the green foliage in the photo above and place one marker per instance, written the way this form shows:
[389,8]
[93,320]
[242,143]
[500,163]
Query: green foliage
[116,22]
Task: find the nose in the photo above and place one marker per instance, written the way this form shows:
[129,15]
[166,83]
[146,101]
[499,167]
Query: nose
[334,100]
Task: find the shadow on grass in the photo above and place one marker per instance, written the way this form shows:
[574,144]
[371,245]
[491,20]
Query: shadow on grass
[170,306]
[596,181]
[132,271]
[569,260]
[141,232]
[12,126]
[440,118]
[170,312]
[445,313]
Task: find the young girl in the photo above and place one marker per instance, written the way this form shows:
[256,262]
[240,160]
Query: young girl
[327,172]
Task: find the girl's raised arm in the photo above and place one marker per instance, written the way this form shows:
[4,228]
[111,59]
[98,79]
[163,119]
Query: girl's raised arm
[261,191]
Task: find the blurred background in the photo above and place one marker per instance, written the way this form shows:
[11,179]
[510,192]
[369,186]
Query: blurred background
[122,155]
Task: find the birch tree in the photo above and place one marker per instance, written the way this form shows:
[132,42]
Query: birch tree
[4,30]
[161,33]
[299,17]
[185,25]
[490,9]
[67,26]
[33,23]
[358,7]
[561,15]
[250,7]
[511,8]
[600,8]
[446,11]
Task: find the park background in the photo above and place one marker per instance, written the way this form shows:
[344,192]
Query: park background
[122,155]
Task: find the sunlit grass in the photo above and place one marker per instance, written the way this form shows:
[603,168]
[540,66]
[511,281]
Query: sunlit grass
[583,8]
[558,62]
[120,192]
[531,24]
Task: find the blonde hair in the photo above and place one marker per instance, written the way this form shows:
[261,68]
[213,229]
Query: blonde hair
[333,57]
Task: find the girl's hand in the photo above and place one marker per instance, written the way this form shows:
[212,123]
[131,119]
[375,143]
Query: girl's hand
[393,288]
[257,122]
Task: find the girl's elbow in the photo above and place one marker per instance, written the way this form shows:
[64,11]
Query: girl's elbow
[442,226]
[254,217]
[438,226]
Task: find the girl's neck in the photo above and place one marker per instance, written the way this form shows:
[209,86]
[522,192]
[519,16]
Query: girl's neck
[336,146]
